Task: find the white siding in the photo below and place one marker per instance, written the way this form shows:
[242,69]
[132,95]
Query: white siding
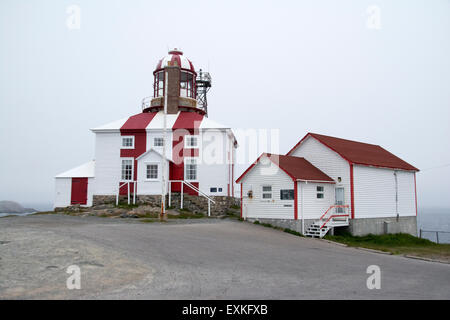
[90,192]
[259,208]
[63,189]
[375,192]
[331,163]
[152,134]
[107,163]
[213,167]
[147,186]
[309,206]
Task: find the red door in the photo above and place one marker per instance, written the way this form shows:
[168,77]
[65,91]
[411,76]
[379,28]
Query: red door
[79,190]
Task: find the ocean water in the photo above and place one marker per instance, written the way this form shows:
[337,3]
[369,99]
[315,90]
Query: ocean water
[434,219]
[15,214]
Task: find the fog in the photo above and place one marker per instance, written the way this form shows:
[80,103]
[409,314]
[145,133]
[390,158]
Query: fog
[318,66]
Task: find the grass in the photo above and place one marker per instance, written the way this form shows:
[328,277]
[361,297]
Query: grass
[287,230]
[186,215]
[399,243]
[126,205]
[235,207]
[45,212]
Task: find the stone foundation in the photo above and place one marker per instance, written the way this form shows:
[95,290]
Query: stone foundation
[196,204]
[357,227]
[361,227]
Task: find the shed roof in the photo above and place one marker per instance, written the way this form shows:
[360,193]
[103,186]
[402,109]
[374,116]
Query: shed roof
[86,170]
[360,153]
[296,167]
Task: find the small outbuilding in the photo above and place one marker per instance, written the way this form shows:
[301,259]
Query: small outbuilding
[327,182]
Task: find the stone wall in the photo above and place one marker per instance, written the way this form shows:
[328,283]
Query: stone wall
[357,227]
[196,204]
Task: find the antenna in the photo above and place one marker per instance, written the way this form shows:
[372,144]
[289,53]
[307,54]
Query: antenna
[202,85]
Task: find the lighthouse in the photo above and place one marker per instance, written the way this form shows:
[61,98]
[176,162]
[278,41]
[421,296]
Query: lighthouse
[198,157]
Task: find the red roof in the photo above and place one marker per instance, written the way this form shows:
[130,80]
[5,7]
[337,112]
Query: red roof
[297,168]
[360,153]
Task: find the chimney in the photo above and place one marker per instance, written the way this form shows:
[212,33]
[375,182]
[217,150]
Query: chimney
[173,88]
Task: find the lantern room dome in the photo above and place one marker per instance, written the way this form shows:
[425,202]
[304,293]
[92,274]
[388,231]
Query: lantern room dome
[175,58]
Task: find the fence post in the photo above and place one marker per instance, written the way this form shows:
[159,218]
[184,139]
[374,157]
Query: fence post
[209,208]
[437,237]
[182,187]
[170,192]
[128,184]
[420,233]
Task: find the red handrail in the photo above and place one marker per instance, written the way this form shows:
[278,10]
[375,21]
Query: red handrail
[333,216]
[334,206]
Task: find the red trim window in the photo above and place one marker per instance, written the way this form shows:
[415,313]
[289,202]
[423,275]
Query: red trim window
[187,84]
[158,84]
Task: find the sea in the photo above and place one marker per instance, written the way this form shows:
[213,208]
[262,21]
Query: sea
[429,220]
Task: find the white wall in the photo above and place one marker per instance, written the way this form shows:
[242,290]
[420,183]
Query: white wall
[149,186]
[90,192]
[63,192]
[331,163]
[309,206]
[375,192]
[107,163]
[259,208]
[214,167]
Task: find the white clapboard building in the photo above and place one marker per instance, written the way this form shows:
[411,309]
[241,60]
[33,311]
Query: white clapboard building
[130,155]
[326,182]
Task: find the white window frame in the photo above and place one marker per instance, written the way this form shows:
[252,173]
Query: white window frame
[132,142]
[188,137]
[157,171]
[121,169]
[320,192]
[154,144]
[266,192]
[186,162]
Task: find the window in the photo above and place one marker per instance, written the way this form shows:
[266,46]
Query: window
[212,189]
[158,84]
[158,142]
[127,169]
[128,142]
[320,192]
[287,194]
[187,85]
[191,142]
[190,169]
[220,189]
[152,171]
[266,192]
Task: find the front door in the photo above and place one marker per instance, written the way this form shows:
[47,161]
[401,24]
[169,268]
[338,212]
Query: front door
[340,200]
[79,191]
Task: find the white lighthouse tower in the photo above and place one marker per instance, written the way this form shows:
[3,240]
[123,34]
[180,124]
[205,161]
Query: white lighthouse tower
[130,155]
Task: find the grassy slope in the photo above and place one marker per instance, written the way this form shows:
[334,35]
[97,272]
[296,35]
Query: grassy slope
[397,244]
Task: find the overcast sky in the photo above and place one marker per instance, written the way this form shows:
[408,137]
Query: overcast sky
[297,66]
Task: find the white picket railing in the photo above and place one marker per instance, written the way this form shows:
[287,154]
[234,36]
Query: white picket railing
[190,185]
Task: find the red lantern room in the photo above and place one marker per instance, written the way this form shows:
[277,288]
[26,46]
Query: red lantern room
[181,85]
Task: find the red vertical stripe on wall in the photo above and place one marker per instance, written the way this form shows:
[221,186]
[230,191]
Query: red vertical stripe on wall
[187,123]
[135,126]
[295,201]
[352,191]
